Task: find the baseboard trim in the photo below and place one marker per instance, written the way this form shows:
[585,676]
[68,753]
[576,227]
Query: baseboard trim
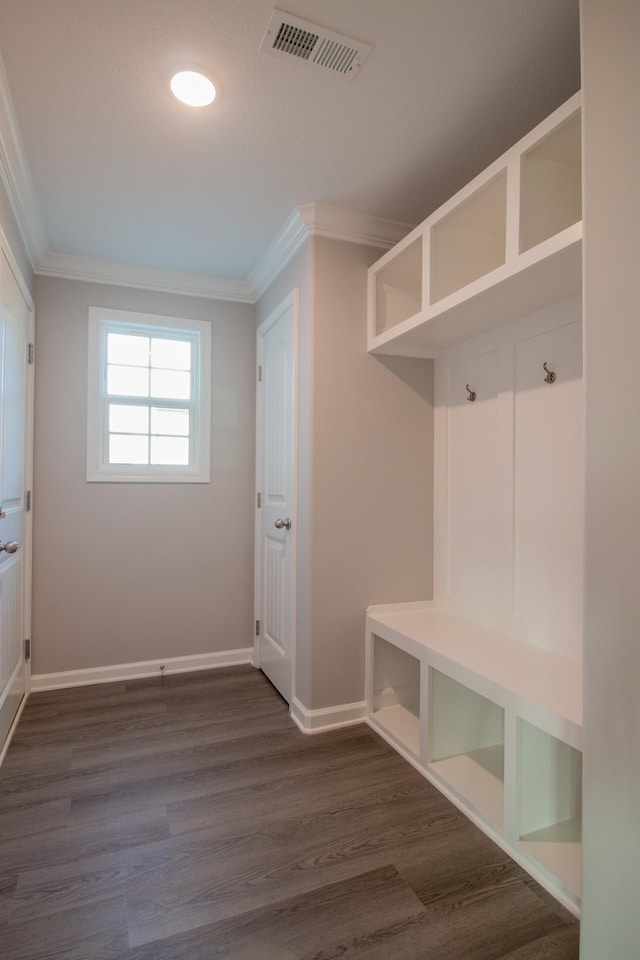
[145,668]
[13,728]
[326,718]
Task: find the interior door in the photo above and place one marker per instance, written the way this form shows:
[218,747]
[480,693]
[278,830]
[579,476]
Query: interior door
[276,486]
[15,445]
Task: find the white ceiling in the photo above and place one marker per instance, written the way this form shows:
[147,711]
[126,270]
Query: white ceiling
[122,172]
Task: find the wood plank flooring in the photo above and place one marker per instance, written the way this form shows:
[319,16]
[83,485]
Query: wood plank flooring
[187,817]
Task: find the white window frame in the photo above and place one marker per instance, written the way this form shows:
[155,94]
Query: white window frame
[102,321]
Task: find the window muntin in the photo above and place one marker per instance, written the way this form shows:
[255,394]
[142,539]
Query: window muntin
[149,398]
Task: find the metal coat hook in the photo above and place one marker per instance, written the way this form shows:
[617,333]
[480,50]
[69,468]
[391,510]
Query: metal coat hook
[472,393]
[550,377]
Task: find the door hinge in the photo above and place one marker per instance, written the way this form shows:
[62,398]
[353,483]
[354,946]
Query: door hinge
[260,374]
[257,628]
[31,352]
[27,500]
[259,500]
[27,649]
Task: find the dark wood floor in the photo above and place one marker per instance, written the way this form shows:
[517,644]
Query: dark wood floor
[188,819]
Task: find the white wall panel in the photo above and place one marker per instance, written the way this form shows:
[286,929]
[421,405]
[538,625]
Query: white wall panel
[474,497]
[509,484]
[548,487]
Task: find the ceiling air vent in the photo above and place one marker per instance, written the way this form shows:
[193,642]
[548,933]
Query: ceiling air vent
[289,36]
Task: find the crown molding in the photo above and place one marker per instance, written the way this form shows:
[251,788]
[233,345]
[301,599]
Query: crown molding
[338,223]
[145,278]
[280,251]
[322,220]
[16,178]
[307,220]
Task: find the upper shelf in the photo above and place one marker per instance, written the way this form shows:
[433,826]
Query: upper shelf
[507,244]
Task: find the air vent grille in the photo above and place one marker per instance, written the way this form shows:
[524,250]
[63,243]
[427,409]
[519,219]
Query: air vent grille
[293,40]
[289,36]
[335,56]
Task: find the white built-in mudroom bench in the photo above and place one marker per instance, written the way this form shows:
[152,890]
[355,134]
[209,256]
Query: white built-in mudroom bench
[481,687]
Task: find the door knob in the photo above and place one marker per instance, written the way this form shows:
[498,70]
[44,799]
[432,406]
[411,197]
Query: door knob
[10,547]
[279,524]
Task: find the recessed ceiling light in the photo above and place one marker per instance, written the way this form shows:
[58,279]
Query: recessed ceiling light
[193,88]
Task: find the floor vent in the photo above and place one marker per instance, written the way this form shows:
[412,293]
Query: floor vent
[289,36]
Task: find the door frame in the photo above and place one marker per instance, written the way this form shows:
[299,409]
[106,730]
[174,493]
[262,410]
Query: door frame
[291,300]
[27,541]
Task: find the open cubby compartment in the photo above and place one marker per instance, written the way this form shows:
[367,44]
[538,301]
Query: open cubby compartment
[396,694]
[549,804]
[551,184]
[466,747]
[398,287]
[469,241]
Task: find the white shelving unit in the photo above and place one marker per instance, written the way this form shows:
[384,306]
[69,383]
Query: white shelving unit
[507,244]
[395,695]
[549,800]
[551,185]
[469,242]
[466,749]
[398,288]
[484,691]
[524,789]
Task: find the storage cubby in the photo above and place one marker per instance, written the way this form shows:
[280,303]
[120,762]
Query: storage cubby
[481,729]
[467,744]
[398,287]
[396,693]
[550,802]
[551,185]
[470,241]
[507,245]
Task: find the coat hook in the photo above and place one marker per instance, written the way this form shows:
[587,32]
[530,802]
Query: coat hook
[550,377]
[472,393]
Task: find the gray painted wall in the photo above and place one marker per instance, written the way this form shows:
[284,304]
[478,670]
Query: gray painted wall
[372,519]
[132,572]
[365,526]
[611,824]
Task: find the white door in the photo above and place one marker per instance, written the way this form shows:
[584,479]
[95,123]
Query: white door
[276,487]
[15,450]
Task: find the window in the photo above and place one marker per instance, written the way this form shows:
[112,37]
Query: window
[149,398]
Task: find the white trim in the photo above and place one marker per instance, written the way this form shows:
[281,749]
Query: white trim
[321,220]
[144,668]
[327,718]
[144,278]
[279,252]
[307,220]
[16,177]
[13,727]
[102,320]
[19,278]
[339,223]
